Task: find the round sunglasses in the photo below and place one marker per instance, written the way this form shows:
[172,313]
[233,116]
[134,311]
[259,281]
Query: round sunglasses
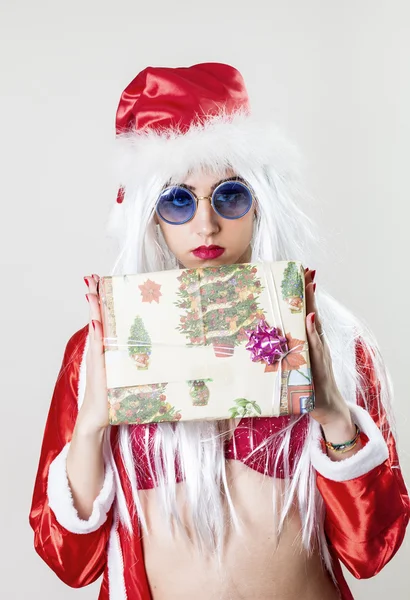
[231,199]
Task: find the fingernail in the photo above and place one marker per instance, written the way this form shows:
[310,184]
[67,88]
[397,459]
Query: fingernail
[86,281]
[93,324]
[314,287]
[313,275]
[96,277]
[312,318]
[87,297]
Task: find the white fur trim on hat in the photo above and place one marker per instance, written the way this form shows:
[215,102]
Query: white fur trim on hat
[373,454]
[61,501]
[216,142]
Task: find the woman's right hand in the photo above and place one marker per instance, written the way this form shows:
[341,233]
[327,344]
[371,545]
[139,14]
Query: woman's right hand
[85,458]
[93,415]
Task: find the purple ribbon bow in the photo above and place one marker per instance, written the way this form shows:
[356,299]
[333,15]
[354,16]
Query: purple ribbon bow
[266,343]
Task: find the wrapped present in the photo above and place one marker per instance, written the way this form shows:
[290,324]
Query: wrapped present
[207,343]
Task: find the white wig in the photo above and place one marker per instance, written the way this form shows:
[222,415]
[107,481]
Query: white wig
[260,154]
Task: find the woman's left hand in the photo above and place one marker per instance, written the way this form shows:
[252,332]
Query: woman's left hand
[330,407]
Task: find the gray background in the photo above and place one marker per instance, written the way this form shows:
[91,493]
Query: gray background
[335,74]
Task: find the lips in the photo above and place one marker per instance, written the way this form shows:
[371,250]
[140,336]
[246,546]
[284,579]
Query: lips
[208,252]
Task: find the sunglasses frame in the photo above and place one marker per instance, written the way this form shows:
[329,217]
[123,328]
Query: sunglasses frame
[210,198]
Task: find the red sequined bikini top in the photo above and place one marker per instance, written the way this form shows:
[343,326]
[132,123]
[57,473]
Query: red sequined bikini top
[243,445]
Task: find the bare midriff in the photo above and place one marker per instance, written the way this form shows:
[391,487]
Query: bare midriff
[256,565]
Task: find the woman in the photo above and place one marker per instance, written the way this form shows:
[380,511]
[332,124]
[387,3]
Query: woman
[261,508]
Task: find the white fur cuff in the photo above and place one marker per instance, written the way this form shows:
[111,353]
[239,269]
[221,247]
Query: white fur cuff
[374,453]
[61,502]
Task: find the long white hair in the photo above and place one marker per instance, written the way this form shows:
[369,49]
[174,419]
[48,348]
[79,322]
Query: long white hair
[260,154]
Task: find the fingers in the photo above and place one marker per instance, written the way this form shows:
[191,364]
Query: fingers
[95,323]
[309,275]
[94,407]
[312,330]
[309,297]
[314,309]
[314,327]
[318,353]
[93,300]
[310,292]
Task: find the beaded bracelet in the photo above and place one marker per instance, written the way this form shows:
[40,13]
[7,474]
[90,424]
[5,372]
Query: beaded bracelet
[346,446]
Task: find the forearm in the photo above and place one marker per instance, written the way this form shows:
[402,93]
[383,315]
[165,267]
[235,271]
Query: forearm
[85,466]
[366,503]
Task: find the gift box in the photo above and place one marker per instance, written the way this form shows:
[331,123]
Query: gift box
[207,343]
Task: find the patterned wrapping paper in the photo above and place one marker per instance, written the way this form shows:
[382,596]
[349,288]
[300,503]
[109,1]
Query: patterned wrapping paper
[198,343]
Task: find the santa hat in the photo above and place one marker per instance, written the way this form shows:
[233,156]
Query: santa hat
[161,98]
[171,121]
[168,102]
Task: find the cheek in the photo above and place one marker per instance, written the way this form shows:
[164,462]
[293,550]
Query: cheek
[240,232]
[175,235]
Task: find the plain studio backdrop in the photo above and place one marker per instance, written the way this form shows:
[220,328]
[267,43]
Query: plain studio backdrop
[334,74]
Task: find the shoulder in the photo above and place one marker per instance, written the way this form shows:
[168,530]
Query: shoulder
[362,350]
[76,343]
[73,355]
[367,358]
[78,338]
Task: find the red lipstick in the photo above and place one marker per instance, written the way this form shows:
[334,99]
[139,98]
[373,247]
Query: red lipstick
[208,252]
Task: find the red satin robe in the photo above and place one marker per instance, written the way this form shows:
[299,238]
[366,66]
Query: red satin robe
[366,512]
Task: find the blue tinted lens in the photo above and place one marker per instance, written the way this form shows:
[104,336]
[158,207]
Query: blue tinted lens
[232,200]
[176,205]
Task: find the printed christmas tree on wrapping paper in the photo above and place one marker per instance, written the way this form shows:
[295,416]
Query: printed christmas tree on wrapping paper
[292,287]
[139,344]
[218,304]
[141,404]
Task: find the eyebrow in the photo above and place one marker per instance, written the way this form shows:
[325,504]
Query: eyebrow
[215,185]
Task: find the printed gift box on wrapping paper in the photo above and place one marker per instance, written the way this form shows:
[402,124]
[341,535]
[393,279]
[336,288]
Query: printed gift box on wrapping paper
[210,343]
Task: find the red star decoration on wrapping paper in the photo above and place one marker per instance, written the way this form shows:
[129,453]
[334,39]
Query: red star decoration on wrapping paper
[292,361]
[150,291]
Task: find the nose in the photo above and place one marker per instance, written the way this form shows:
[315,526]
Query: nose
[205,221]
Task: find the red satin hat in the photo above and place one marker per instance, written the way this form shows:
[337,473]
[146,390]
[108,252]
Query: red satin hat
[163,97]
